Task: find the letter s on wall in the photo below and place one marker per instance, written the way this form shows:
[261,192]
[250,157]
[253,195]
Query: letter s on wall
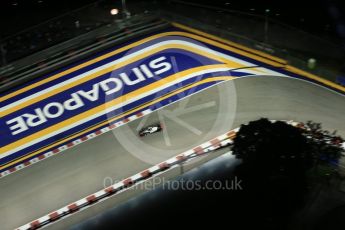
[157,63]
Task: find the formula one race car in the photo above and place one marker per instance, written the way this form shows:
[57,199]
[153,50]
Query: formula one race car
[150,129]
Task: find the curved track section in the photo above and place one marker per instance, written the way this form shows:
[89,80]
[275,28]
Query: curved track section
[49,185]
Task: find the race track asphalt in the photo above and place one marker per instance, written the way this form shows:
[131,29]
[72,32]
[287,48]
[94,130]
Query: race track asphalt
[79,171]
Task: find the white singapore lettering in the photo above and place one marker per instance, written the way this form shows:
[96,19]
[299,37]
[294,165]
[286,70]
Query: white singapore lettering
[58,107]
[19,125]
[140,77]
[91,95]
[157,64]
[106,85]
[109,86]
[74,103]
[35,119]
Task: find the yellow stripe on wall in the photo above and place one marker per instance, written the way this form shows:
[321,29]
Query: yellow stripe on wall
[100,58]
[117,66]
[132,45]
[314,77]
[236,45]
[287,67]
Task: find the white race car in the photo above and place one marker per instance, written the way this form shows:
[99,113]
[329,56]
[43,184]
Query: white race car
[150,129]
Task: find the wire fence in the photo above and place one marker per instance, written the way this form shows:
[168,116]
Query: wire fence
[56,30]
[300,49]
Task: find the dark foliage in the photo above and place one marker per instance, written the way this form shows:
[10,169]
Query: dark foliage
[325,145]
[273,148]
[275,160]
